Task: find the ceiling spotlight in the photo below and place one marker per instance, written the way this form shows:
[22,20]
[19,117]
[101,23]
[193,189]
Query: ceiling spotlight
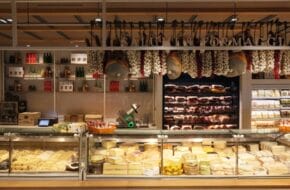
[160,19]
[98,19]
[3,20]
[234,19]
[28,45]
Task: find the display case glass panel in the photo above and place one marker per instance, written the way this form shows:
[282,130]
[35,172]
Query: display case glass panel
[261,153]
[133,153]
[4,155]
[193,154]
[38,155]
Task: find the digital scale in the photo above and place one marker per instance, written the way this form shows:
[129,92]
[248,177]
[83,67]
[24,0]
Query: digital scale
[45,122]
[127,119]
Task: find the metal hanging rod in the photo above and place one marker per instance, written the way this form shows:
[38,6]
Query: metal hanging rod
[135,1]
[144,48]
[202,23]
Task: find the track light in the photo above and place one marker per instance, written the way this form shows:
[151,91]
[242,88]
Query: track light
[98,19]
[234,19]
[235,16]
[160,19]
[4,21]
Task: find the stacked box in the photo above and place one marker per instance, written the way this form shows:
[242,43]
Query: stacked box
[28,118]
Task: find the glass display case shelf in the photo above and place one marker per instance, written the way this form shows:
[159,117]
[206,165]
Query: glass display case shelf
[255,131]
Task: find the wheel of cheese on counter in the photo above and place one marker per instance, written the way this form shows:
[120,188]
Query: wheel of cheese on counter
[129,147]
[276,149]
[220,144]
[150,146]
[117,152]
[97,159]
[167,153]
[134,156]
[277,168]
[109,144]
[100,151]
[115,160]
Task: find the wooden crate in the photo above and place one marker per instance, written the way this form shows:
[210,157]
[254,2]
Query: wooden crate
[28,118]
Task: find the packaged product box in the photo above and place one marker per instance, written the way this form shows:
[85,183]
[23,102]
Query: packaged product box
[28,118]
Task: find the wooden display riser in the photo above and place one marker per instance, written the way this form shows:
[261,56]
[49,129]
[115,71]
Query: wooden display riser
[150,184]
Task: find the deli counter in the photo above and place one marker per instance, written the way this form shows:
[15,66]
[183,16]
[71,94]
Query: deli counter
[43,153]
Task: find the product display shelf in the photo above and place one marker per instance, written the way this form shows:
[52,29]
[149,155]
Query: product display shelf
[79,78]
[214,100]
[36,78]
[270,81]
[271,101]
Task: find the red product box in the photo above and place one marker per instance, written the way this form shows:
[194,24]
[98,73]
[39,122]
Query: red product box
[47,86]
[114,86]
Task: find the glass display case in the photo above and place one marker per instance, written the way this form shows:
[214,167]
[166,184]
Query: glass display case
[127,153]
[4,155]
[199,154]
[185,154]
[144,154]
[262,153]
[40,153]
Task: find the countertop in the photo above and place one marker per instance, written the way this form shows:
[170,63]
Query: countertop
[165,183]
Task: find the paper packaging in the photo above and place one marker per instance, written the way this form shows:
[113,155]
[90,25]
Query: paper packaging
[28,118]
[15,72]
[66,86]
[79,58]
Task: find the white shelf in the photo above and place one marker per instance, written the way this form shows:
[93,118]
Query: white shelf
[38,64]
[33,78]
[271,98]
[79,79]
[75,92]
[270,81]
[285,108]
